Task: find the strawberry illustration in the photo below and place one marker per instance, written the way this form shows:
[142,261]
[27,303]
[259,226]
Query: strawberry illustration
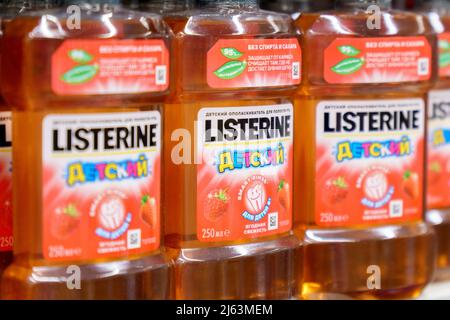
[434,172]
[336,190]
[411,184]
[65,221]
[284,194]
[216,204]
[148,210]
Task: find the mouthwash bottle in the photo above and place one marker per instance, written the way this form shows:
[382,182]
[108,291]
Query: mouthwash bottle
[360,156]
[228,162]
[86,84]
[439,138]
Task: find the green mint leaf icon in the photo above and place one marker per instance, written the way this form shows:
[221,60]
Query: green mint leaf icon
[444,45]
[80,74]
[349,50]
[231,70]
[348,66]
[231,53]
[80,56]
[444,60]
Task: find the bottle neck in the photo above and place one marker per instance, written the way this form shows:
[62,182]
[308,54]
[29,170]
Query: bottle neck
[363,4]
[233,4]
[167,5]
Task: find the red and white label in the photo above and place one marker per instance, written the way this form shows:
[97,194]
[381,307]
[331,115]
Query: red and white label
[244,63]
[6,225]
[370,160]
[378,60]
[439,149]
[244,181]
[84,67]
[101,185]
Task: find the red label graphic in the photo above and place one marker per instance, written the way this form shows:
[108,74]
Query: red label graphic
[83,67]
[244,186]
[378,60]
[370,159]
[101,185]
[6,232]
[444,54]
[243,63]
[439,149]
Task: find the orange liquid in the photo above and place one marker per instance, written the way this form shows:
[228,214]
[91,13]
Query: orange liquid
[337,259]
[252,269]
[439,218]
[440,221]
[28,91]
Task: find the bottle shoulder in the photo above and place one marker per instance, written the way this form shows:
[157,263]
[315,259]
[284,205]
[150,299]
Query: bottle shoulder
[231,22]
[66,23]
[370,23]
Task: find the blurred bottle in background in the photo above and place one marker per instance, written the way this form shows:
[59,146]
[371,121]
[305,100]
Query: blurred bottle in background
[438,191]
[6,224]
[9,9]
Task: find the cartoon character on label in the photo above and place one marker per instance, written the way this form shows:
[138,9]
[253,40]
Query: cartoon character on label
[112,216]
[256,200]
[375,185]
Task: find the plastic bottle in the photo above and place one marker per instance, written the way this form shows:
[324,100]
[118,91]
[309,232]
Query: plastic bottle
[360,157]
[439,130]
[229,219]
[86,84]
